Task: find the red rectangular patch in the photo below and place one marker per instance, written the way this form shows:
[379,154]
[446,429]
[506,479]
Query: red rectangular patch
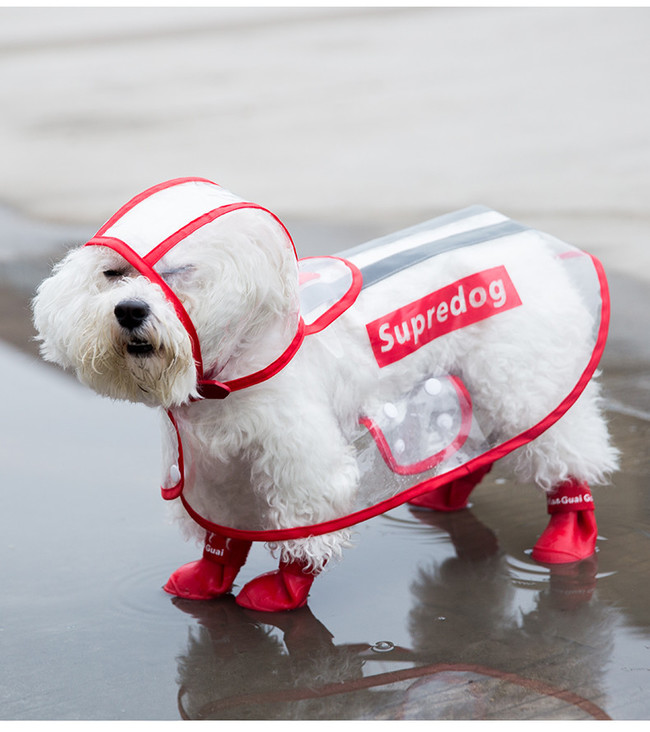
[464,302]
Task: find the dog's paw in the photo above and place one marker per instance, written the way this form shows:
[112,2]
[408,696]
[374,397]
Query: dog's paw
[286,588]
[201,580]
[569,537]
[453,496]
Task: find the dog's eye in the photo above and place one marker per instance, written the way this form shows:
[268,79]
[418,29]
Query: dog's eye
[170,273]
[112,274]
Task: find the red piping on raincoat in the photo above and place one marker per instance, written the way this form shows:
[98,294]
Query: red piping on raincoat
[169,494]
[341,305]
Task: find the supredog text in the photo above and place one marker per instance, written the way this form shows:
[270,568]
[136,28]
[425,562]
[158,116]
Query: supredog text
[462,303]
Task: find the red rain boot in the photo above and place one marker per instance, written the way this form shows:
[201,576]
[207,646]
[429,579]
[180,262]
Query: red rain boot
[452,496]
[571,532]
[285,588]
[212,575]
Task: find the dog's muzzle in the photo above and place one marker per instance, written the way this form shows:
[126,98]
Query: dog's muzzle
[131,314]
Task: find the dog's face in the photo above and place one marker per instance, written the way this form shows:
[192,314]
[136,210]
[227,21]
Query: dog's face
[98,315]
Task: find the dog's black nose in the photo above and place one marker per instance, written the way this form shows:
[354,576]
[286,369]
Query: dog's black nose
[131,313]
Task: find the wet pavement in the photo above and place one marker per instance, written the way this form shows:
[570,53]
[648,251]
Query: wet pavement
[429,616]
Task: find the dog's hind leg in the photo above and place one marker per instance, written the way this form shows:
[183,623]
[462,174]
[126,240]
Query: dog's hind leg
[214,574]
[452,496]
[572,531]
[565,460]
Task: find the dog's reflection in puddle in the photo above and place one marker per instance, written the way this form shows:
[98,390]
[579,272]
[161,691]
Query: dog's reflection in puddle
[241,664]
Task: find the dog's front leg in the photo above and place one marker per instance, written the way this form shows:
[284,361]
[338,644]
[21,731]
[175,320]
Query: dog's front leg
[309,475]
[286,588]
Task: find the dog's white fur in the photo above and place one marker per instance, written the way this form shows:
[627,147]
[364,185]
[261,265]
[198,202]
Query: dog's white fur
[287,441]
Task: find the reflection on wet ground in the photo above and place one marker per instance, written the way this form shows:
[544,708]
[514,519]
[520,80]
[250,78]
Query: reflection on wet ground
[429,617]
[466,660]
[472,628]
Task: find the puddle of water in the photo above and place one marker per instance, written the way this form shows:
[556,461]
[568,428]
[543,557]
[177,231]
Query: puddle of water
[85,552]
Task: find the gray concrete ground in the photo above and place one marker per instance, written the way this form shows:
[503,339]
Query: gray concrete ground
[349,124]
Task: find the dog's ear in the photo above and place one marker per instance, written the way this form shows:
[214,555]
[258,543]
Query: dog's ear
[280,254]
[262,255]
[58,304]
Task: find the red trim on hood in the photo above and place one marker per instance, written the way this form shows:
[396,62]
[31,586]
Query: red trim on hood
[209,389]
[146,194]
[161,249]
[259,376]
[133,258]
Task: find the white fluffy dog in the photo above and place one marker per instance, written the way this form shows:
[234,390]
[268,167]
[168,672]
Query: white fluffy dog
[279,452]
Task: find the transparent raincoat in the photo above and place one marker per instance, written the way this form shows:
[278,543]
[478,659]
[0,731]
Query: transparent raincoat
[428,436]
